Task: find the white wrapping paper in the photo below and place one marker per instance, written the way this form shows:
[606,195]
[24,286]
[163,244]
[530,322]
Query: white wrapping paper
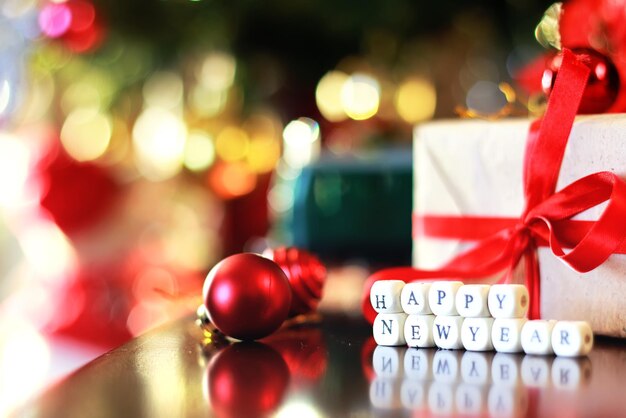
[474,167]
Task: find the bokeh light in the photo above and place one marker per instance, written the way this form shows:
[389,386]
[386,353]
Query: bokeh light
[485,97]
[55,19]
[86,134]
[301,142]
[416,100]
[232,144]
[360,96]
[24,363]
[281,198]
[80,95]
[48,250]
[206,102]
[264,153]
[231,180]
[199,151]
[328,96]
[14,165]
[163,89]
[218,71]
[5,95]
[83,15]
[159,139]
[16,8]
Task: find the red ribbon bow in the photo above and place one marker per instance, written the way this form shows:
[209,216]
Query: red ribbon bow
[546,219]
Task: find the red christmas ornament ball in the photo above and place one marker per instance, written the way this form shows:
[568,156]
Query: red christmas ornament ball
[307,276]
[247,379]
[603,84]
[247,296]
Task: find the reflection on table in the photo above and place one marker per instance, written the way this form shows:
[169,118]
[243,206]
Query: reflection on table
[332,369]
[470,383]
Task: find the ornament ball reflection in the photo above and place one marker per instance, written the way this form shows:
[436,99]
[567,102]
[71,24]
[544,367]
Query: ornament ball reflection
[252,379]
[247,379]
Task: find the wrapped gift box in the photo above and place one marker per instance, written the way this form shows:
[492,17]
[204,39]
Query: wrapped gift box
[474,167]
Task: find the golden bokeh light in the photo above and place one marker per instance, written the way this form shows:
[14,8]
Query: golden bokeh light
[328,96]
[199,151]
[159,138]
[80,95]
[163,89]
[264,153]
[218,71]
[416,100]
[231,180]
[206,102]
[232,144]
[360,96]
[263,123]
[86,134]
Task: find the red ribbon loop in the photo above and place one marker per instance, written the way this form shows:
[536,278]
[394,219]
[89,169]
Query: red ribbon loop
[501,243]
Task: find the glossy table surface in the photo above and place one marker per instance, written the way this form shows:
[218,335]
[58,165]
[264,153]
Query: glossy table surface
[331,369]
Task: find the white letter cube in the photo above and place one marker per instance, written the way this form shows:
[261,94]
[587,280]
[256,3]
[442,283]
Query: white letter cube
[506,334]
[442,297]
[537,337]
[572,338]
[508,301]
[447,332]
[388,329]
[418,331]
[471,300]
[476,334]
[385,296]
[414,298]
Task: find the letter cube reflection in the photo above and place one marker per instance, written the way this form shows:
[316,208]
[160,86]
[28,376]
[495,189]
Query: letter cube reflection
[388,361]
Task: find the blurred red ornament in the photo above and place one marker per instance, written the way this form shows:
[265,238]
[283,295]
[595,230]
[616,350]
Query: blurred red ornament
[77,195]
[247,380]
[247,296]
[603,84]
[306,275]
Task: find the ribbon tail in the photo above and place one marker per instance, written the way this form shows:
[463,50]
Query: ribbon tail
[533,282]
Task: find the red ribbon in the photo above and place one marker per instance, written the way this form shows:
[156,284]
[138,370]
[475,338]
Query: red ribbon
[546,220]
